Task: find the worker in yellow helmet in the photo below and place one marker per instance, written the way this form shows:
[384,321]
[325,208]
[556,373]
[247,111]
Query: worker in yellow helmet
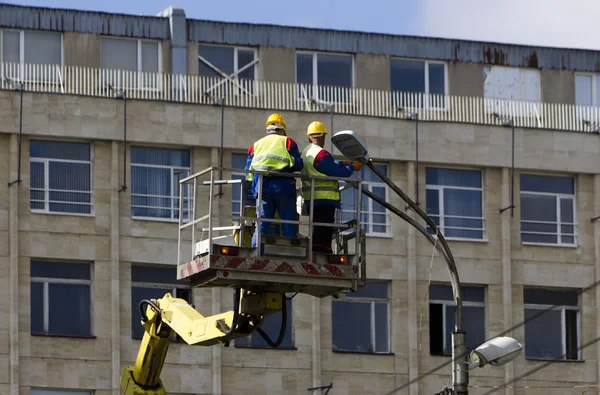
[275,152]
[319,162]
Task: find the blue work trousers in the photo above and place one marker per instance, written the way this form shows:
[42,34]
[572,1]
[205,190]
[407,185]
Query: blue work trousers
[286,207]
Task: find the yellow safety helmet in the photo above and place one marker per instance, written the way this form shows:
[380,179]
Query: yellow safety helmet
[276,120]
[316,128]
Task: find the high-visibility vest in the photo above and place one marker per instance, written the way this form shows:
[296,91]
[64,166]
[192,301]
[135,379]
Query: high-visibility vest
[270,154]
[324,189]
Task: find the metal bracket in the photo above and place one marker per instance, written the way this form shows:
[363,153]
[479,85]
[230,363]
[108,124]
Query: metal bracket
[323,387]
[595,218]
[506,208]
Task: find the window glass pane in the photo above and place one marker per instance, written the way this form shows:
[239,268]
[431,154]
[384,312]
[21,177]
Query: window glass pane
[566,210]
[474,325]
[42,47]
[462,203]
[567,239]
[70,177]
[551,184]
[379,192]
[119,54]
[381,328]
[246,56]
[37,174]
[75,271]
[543,338]
[334,70]
[597,98]
[538,228]
[351,326]
[11,51]
[368,175]
[59,150]
[539,238]
[444,292]
[407,75]
[538,208]
[238,161]
[220,57]
[571,334]
[37,307]
[550,297]
[272,326]
[150,56]
[583,90]
[432,199]
[436,329]
[437,78]
[304,68]
[453,177]
[153,274]
[160,156]
[137,294]
[69,306]
[371,290]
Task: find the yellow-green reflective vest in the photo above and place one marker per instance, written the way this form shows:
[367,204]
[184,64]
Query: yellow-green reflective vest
[324,189]
[270,154]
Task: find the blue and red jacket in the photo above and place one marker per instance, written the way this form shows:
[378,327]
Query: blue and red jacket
[274,185]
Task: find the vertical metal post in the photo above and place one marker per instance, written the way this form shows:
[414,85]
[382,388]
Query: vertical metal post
[331,125]
[18,180]
[310,219]
[512,180]
[258,216]
[194,215]
[124,186]
[180,223]
[222,102]
[358,214]
[460,378]
[417,158]
[210,211]
[242,206]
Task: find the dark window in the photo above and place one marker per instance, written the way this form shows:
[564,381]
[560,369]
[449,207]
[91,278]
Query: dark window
[324,74]
[551,324]
[215,60]
[418,76]
[361,321]
[152,282]
[442,318]
[272,327]
[61,298]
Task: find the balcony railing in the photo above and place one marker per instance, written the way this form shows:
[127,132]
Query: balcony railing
[282,96]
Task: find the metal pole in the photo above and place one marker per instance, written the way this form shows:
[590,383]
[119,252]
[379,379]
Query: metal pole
[417,158]
[512,181]
[18,180]
[331,125]
[124,186]
[222,102]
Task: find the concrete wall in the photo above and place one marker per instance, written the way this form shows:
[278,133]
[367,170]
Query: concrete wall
[82,49]
[558,86]
[276,64]
[372,72]
[465,79]
[110,236]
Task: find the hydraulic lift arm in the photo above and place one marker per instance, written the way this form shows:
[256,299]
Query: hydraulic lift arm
[163,317]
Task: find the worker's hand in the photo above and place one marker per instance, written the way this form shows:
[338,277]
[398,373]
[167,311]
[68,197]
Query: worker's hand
[347,162]
[357,166]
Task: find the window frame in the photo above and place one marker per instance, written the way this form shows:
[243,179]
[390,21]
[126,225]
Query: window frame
[45,281]
[236,88]
[22,62]
[372,302]
[450,303]
[559,224]
[172,289]
[426,62]
[594,88]
[388,219]
[139,57]
[233,174]
[440,188]
[563,326]
[314,86]
[46,188]
[173,198]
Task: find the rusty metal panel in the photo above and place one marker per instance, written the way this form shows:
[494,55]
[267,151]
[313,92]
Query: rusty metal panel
[37,18]
[390,45]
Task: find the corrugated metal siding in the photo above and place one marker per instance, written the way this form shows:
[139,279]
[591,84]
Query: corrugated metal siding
[83,22]
[383,44]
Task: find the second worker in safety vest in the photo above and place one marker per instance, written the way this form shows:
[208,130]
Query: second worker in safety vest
[276,153]
[319,162]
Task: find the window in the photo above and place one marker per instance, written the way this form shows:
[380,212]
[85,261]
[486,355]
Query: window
[587,89]
[61,298]
[123,55]
[511,83]
[374,217]
[35,391]
[321,71]
[155,175]
[61,177]
[361,321]
[442,318]
[272,327]
[551,324]
[419,76]
[238,161]
[235,62]
[455,202]
[548,210]
[20,47]
[151,282]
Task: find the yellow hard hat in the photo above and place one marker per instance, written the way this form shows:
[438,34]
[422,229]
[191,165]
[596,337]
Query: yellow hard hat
[276,120]
[316,128]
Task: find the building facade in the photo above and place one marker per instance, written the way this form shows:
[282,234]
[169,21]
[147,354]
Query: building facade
[88,222]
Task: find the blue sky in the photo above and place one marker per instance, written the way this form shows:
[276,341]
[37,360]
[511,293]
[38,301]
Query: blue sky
[559,23]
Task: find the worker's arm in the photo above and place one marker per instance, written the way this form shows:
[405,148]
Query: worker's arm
[250,157]
[292,148]
[325,164]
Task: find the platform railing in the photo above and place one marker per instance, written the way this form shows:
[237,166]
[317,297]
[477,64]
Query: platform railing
[208,180]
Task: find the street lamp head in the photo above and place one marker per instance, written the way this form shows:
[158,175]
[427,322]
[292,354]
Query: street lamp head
[496,352]
[351,145]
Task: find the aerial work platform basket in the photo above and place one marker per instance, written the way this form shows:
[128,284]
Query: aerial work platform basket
[215,239]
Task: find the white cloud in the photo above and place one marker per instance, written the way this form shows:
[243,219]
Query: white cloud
[554,23]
